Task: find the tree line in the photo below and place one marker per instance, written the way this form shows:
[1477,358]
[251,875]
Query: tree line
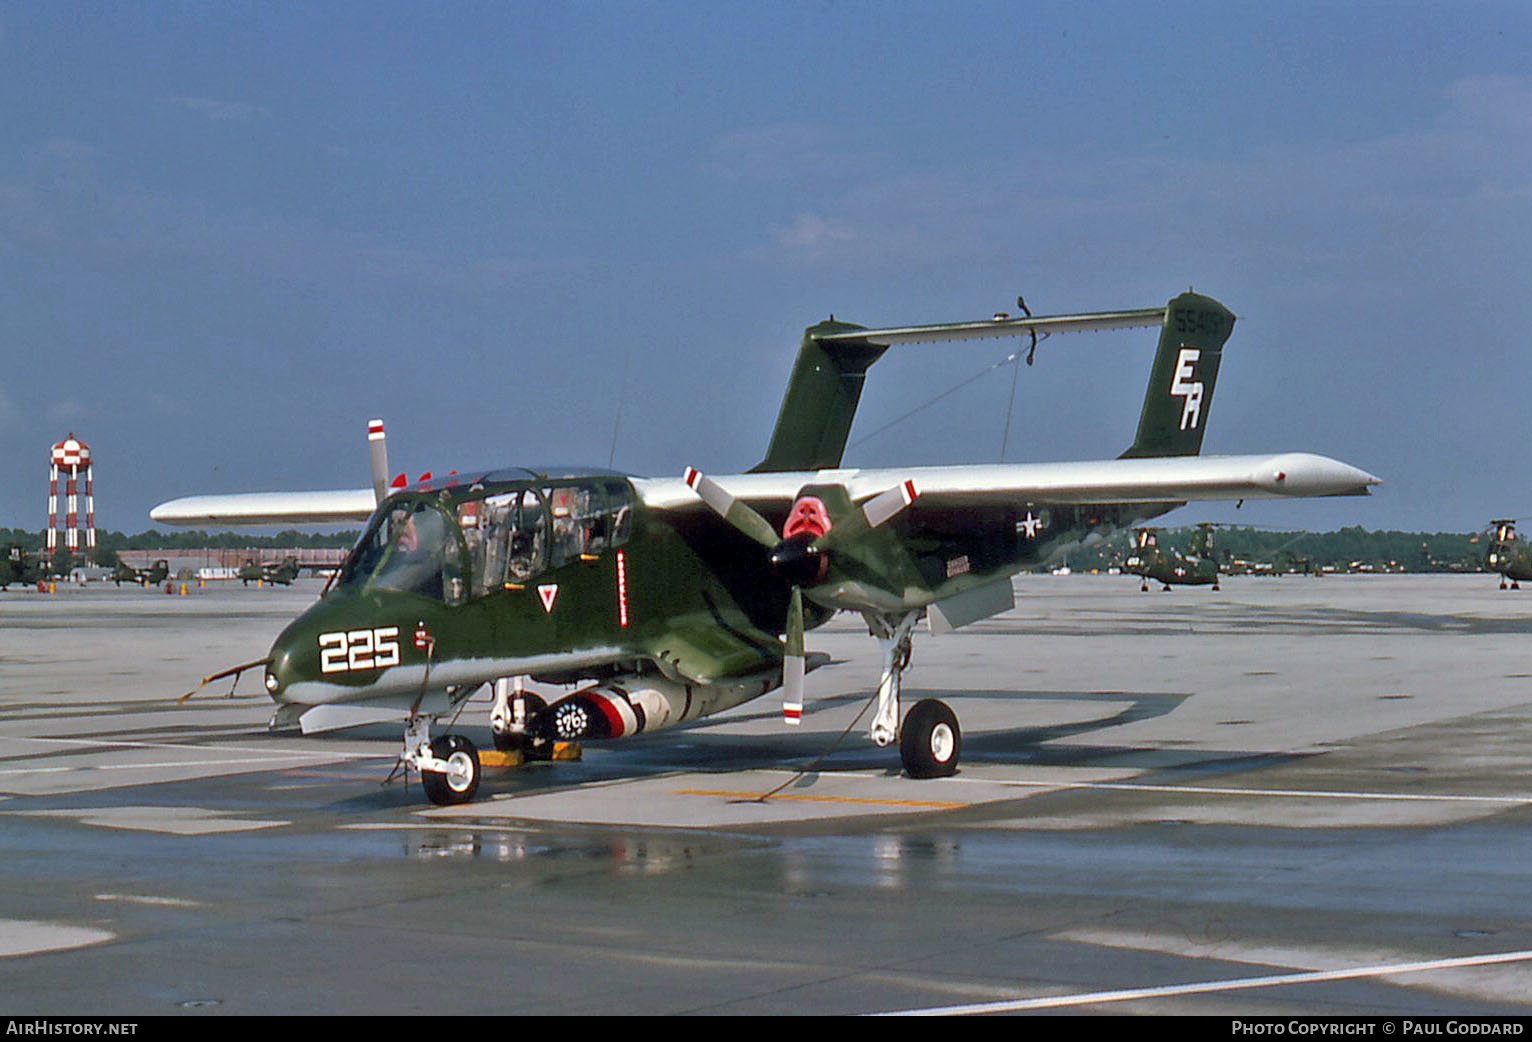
[1347,549]
[109,543]
[1341,550]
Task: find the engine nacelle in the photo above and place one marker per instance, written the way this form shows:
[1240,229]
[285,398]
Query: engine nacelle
[631,704]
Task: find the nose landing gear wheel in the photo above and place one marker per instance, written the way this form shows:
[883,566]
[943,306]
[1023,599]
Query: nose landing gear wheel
[460,781]
[930,742]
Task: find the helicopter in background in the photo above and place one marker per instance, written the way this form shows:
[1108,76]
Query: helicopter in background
[1148,559]
[17,567]
[155,574]
[1508,556]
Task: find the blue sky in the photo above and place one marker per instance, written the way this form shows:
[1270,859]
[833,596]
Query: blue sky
[232,233]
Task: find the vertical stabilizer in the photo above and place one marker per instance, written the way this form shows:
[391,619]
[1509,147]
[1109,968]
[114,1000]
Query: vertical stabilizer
[821,400]
[1181,384]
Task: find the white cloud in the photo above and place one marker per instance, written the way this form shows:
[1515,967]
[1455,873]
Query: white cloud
[812,232]
[65,411]
[1494,100]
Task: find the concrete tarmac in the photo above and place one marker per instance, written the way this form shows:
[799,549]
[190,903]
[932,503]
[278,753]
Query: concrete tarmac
[1288,797]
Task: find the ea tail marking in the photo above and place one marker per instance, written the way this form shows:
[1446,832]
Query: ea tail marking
[1181,384]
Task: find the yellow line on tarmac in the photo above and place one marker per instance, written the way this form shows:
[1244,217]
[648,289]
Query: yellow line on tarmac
[754,796]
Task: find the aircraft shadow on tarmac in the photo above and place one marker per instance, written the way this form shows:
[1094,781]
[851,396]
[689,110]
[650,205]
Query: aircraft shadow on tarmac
[1029,745]
[714,746]
[1266,619]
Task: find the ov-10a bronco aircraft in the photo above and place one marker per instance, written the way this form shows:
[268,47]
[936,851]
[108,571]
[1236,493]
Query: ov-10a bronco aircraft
[664,600]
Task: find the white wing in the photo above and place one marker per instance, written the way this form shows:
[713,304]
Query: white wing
[263,508]
[1158,480]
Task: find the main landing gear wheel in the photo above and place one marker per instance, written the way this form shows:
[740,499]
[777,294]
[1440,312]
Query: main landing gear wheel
[460,781]
[930,741]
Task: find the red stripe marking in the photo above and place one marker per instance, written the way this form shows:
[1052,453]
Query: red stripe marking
[622,590]
[613,718]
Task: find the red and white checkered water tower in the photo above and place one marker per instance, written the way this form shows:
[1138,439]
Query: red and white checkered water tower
[71,457]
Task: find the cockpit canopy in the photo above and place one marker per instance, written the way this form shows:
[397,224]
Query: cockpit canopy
[482,536]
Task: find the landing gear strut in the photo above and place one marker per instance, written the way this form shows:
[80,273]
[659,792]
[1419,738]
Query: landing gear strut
[449,765]
[930,742]
[893,633]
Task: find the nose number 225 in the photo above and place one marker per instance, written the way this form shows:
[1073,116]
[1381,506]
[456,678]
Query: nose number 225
[347,650]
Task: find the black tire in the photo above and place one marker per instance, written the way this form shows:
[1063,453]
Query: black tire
[461,783]
[930,742]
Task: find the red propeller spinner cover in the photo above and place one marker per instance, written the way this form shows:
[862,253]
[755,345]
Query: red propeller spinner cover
[807,517]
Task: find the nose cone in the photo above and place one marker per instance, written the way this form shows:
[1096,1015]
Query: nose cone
[297,654]
[289,661]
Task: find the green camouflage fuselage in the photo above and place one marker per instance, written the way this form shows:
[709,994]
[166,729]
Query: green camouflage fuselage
[679,593]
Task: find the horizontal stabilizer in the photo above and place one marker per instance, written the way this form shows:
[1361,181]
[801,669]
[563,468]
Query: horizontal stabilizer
[1089,322]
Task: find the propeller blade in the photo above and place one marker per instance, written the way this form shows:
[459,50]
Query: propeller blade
[878,510]
[732,509]
[377,447]
[793,662]
[886,505]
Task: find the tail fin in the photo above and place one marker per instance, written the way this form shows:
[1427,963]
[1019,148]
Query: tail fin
[1181,383]
[821,400]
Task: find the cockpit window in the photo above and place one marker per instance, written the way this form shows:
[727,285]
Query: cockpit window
[589,519]
[413,548]
[507,537]
[450,548]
